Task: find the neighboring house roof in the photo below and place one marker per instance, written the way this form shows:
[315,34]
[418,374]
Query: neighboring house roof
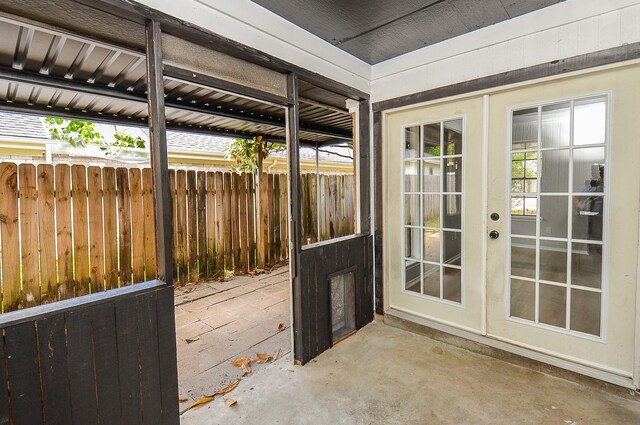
[33,127]
[18,125]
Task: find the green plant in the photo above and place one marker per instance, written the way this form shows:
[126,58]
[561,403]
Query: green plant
[249,153]
[80,133]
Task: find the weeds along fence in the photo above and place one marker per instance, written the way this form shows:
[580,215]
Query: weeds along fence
[71,230]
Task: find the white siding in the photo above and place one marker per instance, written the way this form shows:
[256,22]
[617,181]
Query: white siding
[567,29]
[252,25]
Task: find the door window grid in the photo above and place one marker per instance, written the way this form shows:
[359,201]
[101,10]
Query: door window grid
[575,198]
[447,194]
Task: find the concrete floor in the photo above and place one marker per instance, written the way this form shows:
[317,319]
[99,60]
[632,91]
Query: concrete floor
[384,375]
[219,322]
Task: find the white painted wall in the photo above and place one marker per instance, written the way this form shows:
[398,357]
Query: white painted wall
[255,26]
[567,29]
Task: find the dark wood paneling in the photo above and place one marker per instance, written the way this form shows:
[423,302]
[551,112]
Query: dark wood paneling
[110,360]
[21,359]
[56,397]
[378,211]
[314,326]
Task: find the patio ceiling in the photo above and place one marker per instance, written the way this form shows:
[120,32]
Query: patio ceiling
[377,30]
[50,71]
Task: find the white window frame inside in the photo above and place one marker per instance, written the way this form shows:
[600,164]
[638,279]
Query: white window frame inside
[421,228]
[606,194]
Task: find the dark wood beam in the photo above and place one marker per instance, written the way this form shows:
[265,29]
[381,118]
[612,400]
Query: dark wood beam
[167,351]
[295,220]
[159,161]
[364,162]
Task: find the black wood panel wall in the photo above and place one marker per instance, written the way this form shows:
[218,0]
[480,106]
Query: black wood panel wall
[313,325]
[106,362]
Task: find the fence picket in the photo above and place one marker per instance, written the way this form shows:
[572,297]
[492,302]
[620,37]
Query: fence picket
[235,220]
[210,215]
[243,250]
[63,231]
[96,260]
[124,225]
[29,235]
[202,224]
[109,195]
[226,229]
[181,226]
[137,224]
[174,223]
[79,196]
[9,234]
[47,231]
[219,225]
[284,217]
[192,226]
[149,225]
[251,220]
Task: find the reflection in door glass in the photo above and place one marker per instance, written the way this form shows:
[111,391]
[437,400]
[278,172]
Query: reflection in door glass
[439,213]
[558,258]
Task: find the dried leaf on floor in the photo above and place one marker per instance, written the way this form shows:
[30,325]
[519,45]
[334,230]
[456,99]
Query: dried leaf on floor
[246,369]
[232,386]
[189,341]
[241,361]
[277,354]
[203,400]
[262,358]
[230,402]
[281,327]
[183,399]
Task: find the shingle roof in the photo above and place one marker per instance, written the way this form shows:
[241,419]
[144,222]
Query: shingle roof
[18,125]
[30,126]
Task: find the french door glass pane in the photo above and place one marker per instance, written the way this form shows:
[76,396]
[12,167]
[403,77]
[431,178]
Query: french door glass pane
[412,210]
[412,276]
[452,211]
[431,211]
[524,129]
[452,248]
[452,284]
[555,125]
[523,257]
[453,137]
[412,243]
[431,280]
[411,176]
[588,170]
[553,305]
[412,142]
[523,299]
[431,176]
[553,261]
[453,176]
[588,217]
[585,311]
[586,265]
[524,226]
[431,250]
[553,216]
[555,171]
[590,123]
[431,140]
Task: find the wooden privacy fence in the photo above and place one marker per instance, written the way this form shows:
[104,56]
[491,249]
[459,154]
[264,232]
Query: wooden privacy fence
[67,231]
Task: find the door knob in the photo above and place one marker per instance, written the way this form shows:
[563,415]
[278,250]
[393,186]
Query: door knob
[494,234]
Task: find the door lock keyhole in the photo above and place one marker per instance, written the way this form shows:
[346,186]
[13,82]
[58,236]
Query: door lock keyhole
[494,234]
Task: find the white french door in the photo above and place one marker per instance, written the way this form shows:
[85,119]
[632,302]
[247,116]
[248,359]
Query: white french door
[526,232]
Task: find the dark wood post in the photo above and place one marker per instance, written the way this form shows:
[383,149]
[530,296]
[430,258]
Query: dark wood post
[159,162]
[364,161]
[167,353]
[295,227]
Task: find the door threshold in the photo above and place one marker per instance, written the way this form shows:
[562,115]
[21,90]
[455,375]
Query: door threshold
[520,356]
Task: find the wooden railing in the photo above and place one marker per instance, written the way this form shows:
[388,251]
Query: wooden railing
[71,230]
